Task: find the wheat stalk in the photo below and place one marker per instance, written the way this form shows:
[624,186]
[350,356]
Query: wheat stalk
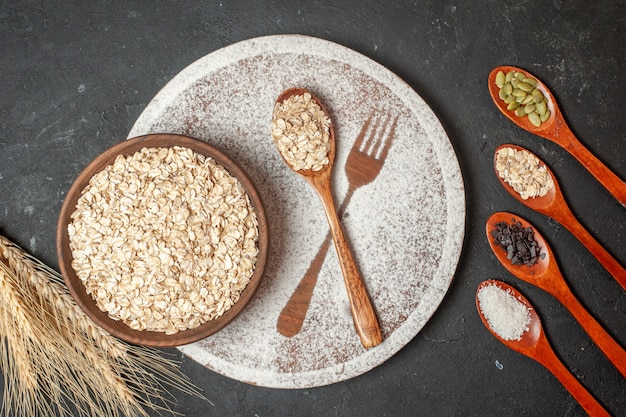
[55,358]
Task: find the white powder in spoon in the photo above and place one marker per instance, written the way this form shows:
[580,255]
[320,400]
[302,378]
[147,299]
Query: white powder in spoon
[505,314]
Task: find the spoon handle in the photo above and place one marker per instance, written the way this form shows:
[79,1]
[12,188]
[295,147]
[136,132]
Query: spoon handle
[363,313]
[292,316]
[548,358]
[568,219]
[612,350]
[601,172]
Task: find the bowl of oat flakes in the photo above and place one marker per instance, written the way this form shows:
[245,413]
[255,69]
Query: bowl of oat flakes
[162,240]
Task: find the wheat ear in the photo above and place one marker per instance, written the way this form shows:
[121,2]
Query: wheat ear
[55,359]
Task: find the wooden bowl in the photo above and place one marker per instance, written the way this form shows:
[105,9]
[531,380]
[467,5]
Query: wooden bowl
[77,288]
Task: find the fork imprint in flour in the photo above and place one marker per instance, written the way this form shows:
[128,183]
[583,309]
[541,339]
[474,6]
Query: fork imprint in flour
[364,163]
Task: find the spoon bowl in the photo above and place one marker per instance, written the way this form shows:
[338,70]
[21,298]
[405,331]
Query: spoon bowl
[533,274]
[553,205]
[555,129]
[545,204]
[534,344]
[545,274]
[531,337]
[548,128]
[363,313]
[310,174]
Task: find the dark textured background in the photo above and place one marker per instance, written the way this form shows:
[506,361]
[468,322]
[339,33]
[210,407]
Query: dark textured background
[76,75]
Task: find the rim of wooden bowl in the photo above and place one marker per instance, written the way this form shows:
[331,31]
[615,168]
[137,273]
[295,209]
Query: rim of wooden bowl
[77,288]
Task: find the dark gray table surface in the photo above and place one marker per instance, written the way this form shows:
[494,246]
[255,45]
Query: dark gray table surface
[76,75]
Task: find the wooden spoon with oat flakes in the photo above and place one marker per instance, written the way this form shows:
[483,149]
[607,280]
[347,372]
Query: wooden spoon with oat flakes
[304,136]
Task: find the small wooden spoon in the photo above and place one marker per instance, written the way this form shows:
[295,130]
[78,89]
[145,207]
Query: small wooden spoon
[363,313]
[556,130]
[545,274]
[553,205]
[535,345]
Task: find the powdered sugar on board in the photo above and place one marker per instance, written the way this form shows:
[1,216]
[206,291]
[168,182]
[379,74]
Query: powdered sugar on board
[406,227]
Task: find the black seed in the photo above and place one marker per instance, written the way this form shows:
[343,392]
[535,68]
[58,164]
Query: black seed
[519,242]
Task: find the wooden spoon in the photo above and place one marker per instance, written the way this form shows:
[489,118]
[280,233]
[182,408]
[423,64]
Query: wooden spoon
[535,345]
[545,274]
[556,130]
[363,313]
[553,205]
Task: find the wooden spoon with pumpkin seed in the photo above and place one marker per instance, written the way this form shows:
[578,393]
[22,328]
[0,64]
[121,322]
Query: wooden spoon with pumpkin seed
[553,128]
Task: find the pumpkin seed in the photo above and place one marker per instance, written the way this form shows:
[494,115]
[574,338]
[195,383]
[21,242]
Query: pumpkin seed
[513,105]
[521,95]
[500,79]
[534,119]
[531,81]
[509,99]
[540,107]
[528,99]
[537,96]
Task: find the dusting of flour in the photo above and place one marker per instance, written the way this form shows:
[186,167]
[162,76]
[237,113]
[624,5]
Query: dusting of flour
[405,228]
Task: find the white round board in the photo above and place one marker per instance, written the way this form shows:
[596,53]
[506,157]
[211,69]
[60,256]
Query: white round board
[406,227]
